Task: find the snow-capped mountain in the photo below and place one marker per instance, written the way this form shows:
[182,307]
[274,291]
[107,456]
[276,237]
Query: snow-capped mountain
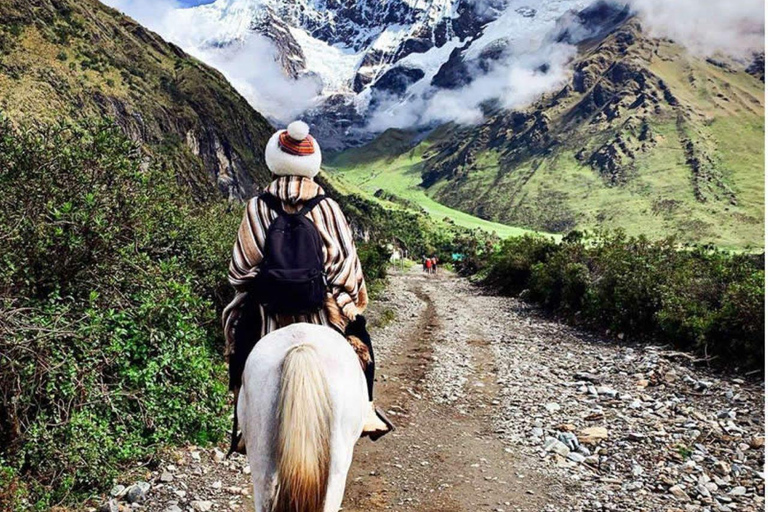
[378,62]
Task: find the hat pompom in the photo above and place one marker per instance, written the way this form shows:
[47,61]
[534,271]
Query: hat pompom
[298,130]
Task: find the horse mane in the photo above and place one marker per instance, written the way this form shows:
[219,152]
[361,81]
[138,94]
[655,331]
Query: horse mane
[303,448]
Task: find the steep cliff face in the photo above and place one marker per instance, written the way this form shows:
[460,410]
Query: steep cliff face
[62,59]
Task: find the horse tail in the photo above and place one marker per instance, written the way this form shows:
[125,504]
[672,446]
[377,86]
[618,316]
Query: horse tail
[304,434]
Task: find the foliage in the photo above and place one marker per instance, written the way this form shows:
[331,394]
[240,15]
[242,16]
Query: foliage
[111,281]
[374,258]
[698,298]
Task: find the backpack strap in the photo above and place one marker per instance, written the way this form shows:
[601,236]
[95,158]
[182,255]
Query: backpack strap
[276,205]
[273,203]
[311,204]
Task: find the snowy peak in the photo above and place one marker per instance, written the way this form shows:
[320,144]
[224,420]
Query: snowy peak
[381,63]
[332,39]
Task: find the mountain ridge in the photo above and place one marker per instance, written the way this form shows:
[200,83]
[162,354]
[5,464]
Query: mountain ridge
[642,136]
[61,58]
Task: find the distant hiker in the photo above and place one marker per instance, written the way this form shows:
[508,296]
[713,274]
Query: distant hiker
[428,265]
[434,265]
[304,270]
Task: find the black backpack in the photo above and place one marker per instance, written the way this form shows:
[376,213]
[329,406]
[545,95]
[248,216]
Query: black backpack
[291,277]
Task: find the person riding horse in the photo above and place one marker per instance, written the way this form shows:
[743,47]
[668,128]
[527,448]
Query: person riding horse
[294,158]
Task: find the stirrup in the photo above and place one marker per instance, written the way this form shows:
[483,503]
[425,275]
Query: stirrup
[376,434]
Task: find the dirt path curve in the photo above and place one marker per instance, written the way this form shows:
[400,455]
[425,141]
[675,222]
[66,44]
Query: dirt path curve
[502,409]
[444,456]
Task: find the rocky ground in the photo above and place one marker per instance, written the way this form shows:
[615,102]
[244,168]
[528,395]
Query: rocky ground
[500,408]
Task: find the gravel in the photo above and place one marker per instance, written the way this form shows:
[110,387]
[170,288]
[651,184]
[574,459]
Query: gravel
[660,431]
[624,427]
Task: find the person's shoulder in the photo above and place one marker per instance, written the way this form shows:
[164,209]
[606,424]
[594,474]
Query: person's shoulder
[257,204]
[256,199]
[331,203]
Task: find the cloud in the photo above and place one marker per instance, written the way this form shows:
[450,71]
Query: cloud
[252,69]
[249,64]
[705,27]
[153,14]
[533,64]
[512,83]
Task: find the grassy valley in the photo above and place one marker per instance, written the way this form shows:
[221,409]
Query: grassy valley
[395,181]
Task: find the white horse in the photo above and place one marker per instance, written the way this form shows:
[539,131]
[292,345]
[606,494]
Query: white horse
[301,411]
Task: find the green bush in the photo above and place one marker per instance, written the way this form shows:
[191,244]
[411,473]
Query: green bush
[698,299]
[374,258]
[111,282]
[512,265]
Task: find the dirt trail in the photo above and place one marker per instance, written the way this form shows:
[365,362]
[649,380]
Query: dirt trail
[492,401]
[442,457]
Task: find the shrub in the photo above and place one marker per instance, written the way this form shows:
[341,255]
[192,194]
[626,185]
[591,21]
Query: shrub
[698,299]
[512,265]
[374,258]
[111,281]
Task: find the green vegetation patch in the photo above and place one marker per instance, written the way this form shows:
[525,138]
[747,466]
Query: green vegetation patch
[700,298]
[111,281]
[400,176]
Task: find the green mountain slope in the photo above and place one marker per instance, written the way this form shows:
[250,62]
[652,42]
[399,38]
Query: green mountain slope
[79,58]
[644,137]
[390,171]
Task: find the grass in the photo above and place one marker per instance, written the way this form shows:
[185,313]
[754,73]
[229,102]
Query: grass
[401,176]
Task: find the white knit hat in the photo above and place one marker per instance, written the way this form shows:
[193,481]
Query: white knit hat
[293,152]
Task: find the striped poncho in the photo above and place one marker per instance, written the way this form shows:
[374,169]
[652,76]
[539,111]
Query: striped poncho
[346,296]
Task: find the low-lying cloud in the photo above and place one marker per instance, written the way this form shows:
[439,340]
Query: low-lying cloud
[249,64]
[514,82]
[153,14]
[706,27]
[252,68]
